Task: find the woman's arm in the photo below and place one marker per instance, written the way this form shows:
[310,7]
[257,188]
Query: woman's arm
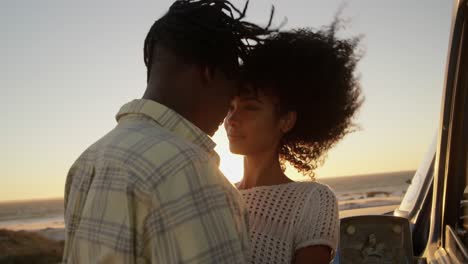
[313,255]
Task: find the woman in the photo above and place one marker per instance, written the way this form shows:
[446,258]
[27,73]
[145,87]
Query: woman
[300,99]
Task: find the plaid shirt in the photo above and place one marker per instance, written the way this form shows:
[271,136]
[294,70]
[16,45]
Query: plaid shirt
[150,191]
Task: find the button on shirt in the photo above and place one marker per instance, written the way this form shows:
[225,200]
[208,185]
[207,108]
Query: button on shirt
[150,191]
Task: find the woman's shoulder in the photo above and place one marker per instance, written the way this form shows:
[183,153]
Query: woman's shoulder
[314,187]
[309,192]
[317,194]
[299,186]
[318,218]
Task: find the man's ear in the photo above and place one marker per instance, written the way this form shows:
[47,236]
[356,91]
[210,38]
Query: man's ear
[288,121]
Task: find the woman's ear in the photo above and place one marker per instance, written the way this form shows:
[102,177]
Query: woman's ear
[288,121]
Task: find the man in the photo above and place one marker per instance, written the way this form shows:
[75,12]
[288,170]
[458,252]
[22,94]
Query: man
[150,191]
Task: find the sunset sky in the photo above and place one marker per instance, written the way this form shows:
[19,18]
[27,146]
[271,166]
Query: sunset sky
[68,66]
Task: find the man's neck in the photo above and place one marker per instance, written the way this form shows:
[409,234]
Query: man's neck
[167,96]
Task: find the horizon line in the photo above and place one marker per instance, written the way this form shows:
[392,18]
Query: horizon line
[329,177]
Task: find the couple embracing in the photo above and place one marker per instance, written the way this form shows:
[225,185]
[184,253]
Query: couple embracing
[150,191]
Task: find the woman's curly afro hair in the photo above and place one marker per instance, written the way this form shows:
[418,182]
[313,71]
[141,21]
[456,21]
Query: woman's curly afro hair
[312,73]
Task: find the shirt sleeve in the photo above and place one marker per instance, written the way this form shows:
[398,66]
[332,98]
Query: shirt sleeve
[319,222]
[197,217]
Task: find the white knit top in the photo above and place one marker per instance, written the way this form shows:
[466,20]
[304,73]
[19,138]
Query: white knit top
[290,216]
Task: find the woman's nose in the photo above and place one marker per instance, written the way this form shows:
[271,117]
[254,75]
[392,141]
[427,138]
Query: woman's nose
[231,118]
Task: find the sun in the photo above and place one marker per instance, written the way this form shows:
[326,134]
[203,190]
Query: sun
[231,165]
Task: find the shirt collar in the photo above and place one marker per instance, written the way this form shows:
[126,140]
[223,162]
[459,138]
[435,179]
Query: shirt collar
[168,119]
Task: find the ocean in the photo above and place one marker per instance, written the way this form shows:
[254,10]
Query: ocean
[352,192]
[368,186]
[372,190]
[31,215]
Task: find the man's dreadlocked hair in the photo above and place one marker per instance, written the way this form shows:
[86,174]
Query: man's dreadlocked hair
[204,32]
